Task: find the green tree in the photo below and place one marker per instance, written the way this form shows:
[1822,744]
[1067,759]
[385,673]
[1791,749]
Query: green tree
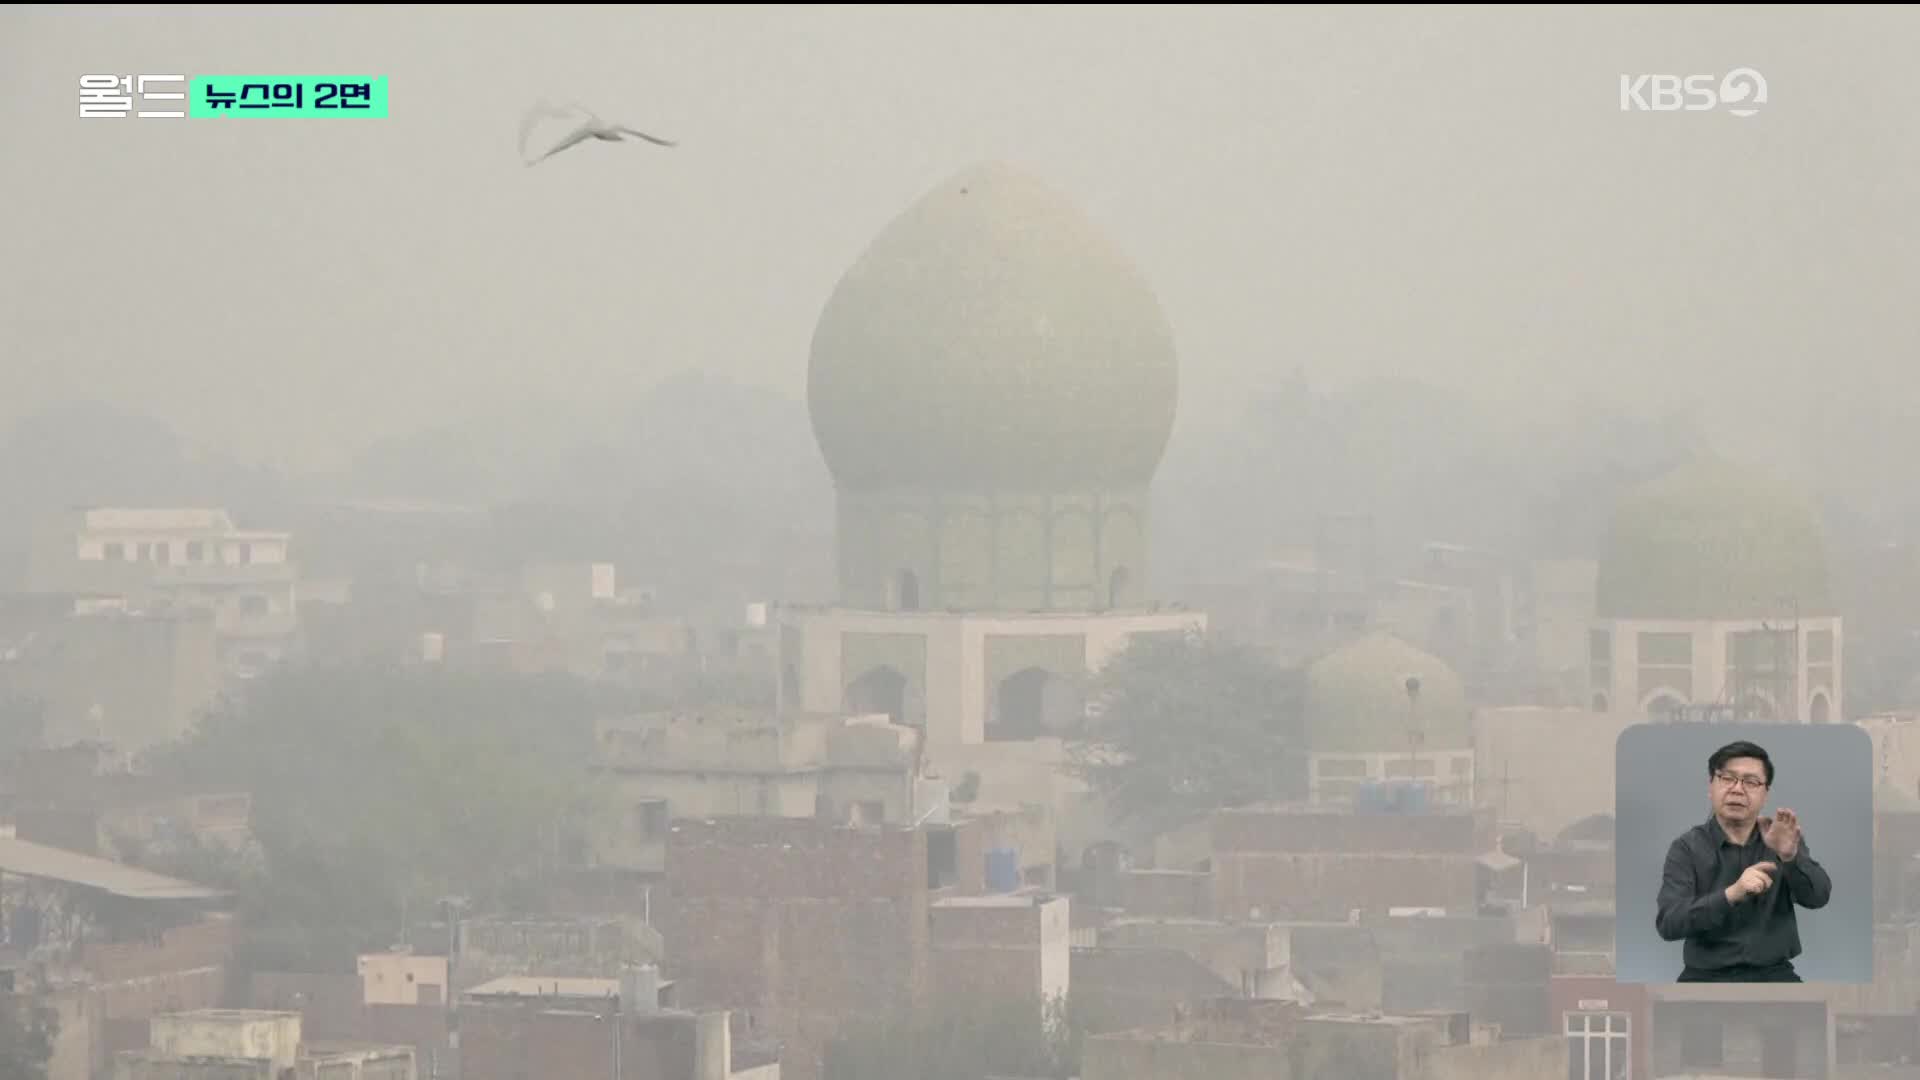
[379,789]
[27,1031]
[1187,724]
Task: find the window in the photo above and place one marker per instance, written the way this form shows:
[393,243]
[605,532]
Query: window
[1702,1043]
[1598,1046]
[1820,647]
[1666,663]
[652,819]
[1779,1051]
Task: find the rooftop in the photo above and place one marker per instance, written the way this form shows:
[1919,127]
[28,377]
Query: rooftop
[547,986]
[231,1016]
[1276,1030]
[32,860]
[320,1049]
[999,900]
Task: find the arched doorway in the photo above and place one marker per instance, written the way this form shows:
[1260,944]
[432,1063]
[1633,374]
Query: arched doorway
[1664,704]
[880,690]
[1035,703]
[1599,701]
[1818,710]
[1117,585]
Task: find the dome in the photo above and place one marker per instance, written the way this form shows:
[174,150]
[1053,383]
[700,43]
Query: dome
[991,338]
[1713,540]
[1357,700]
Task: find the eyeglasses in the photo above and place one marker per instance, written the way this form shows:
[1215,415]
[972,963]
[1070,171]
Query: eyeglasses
[1749,783]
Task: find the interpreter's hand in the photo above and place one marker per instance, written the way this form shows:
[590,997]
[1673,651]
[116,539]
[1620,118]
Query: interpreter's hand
[1781,833]
[1757,879]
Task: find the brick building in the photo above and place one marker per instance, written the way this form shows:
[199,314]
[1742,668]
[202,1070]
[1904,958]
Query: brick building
[797,926]
[1292,862]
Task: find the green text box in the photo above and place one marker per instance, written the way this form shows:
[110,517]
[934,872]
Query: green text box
[289,95]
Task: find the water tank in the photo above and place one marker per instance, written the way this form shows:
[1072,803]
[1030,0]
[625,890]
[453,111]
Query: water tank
[1408,798]
[1370,797]
[639,988]
[1003,870]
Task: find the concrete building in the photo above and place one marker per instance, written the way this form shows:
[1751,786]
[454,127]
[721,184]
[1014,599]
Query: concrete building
[100,670]
[591,1029]
[1521,757]
[1714,596]
[402,978]
[246,1044]
[743,762]
[1758,1030]
[1293,862]
[1606,1024]
[186,558]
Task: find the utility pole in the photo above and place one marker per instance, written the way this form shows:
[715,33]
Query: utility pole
[453,905]
[1413,726]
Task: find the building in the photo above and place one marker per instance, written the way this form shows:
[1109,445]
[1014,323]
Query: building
[1277,1040]
[402,978]
[1520,761]
[183,559]
[740,762]
[590,1029]
[1296,862]
[112,946]
[247,1044]
[797,927]
[1713,597]
[1767,1030]
[1381,709]
[99,671]
[992,385]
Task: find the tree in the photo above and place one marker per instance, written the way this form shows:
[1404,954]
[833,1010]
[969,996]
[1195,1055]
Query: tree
[27,1031]
[379,789]
[1188,724]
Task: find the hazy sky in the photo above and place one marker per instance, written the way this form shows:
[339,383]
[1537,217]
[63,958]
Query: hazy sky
[1449,194]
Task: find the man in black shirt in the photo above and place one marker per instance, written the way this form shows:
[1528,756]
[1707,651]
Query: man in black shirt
[1731,883]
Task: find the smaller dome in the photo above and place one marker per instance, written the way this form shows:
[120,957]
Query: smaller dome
[1358,700]
[1713,540]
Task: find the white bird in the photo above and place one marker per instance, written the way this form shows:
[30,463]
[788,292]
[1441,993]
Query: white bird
[592,128]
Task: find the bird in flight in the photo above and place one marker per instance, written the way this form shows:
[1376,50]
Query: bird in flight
[589,127]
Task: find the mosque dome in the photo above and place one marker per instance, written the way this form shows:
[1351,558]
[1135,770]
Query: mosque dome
[992,339]
[1358,700]
[1713,540]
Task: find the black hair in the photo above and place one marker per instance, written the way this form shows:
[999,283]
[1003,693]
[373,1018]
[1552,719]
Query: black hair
[1739,750]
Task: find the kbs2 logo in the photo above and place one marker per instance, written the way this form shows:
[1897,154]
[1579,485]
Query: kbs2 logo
[1741,92]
